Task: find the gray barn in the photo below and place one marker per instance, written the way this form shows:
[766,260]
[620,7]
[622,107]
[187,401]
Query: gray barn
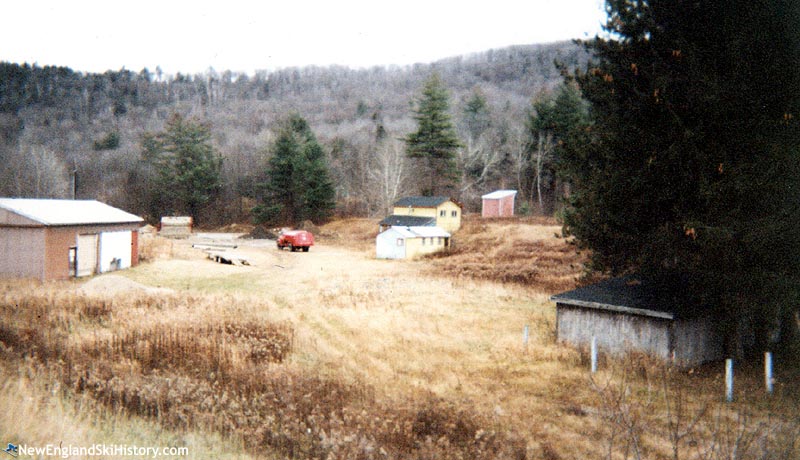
[636,314]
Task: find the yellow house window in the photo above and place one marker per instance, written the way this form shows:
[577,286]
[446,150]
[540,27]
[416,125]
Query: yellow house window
[454,213]
[423,241]
[442,213]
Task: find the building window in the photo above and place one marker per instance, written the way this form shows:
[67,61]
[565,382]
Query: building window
[439,241]
[399,241]
[423,241]
[442,213]
[454,214]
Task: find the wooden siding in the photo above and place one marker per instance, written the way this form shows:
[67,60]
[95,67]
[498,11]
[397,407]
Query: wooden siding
[697,341]
[419,246]
[392,244]
[447,221]
[686,341]
[412,211]
[616,333]
[498,207]
[176,227]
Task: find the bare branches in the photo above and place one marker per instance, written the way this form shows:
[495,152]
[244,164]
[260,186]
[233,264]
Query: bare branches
[638,413]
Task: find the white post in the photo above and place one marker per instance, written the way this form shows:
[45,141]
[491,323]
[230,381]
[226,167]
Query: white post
[768,371]
[525,336]
[729,380]
[594,354]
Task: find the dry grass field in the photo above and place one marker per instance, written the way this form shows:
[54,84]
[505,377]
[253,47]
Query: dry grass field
[332,354]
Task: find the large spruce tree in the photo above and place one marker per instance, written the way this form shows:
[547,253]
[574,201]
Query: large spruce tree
[298,185]
[186,167]
[690,169]
[435,141]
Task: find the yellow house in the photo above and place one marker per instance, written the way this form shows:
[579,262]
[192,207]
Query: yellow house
[446,212]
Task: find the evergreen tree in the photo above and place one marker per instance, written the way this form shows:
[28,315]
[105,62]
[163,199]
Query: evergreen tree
[186,167]
[435,141]
[298,185]
[690,169]
[476,117]
[553,124]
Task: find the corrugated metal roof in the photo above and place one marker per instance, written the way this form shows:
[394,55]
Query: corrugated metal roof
[429,231]
[408,221]
[497,194]
[422,201]
[67,212]
[422,232]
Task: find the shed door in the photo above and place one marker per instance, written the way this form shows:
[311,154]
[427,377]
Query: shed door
[115,251]
[87,255]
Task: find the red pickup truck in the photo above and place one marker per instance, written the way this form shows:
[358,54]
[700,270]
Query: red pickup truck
[296,240]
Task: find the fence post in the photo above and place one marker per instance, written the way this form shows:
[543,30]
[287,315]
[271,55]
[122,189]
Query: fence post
[525,336]
[768,371]
[729,380]
[594,354]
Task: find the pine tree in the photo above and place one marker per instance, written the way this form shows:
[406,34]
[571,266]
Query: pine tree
[476,115]
[187,168]
[298,185]
[435,141]
[690,169]
[554,123]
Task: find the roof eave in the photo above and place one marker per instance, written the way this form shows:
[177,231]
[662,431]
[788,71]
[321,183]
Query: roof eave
[614,308]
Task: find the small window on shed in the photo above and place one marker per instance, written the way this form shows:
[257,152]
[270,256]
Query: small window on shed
[442,213]
[423,241]
[399,241]
[454,214]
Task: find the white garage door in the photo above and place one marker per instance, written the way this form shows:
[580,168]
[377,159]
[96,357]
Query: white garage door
[87,255]
[115,251]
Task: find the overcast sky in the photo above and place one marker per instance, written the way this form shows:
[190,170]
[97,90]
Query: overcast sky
[191,36]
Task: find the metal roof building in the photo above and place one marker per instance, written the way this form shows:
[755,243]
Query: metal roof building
[499,203]
[410,242]
[59,239]
[640,314]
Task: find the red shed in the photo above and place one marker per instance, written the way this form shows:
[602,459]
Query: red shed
[499,203]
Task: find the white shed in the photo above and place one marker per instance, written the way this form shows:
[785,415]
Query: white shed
[409,242]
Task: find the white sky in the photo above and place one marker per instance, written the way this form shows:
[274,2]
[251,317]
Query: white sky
[240,35]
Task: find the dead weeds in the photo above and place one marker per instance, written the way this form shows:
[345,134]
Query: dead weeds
[518,252]
[230,378]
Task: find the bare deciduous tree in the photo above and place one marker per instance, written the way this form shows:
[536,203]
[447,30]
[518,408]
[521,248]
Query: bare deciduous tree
[37,173]
[388,174]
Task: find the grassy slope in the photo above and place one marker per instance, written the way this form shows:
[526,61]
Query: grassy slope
[403,332]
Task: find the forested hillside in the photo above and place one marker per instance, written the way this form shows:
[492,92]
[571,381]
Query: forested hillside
[55,122]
